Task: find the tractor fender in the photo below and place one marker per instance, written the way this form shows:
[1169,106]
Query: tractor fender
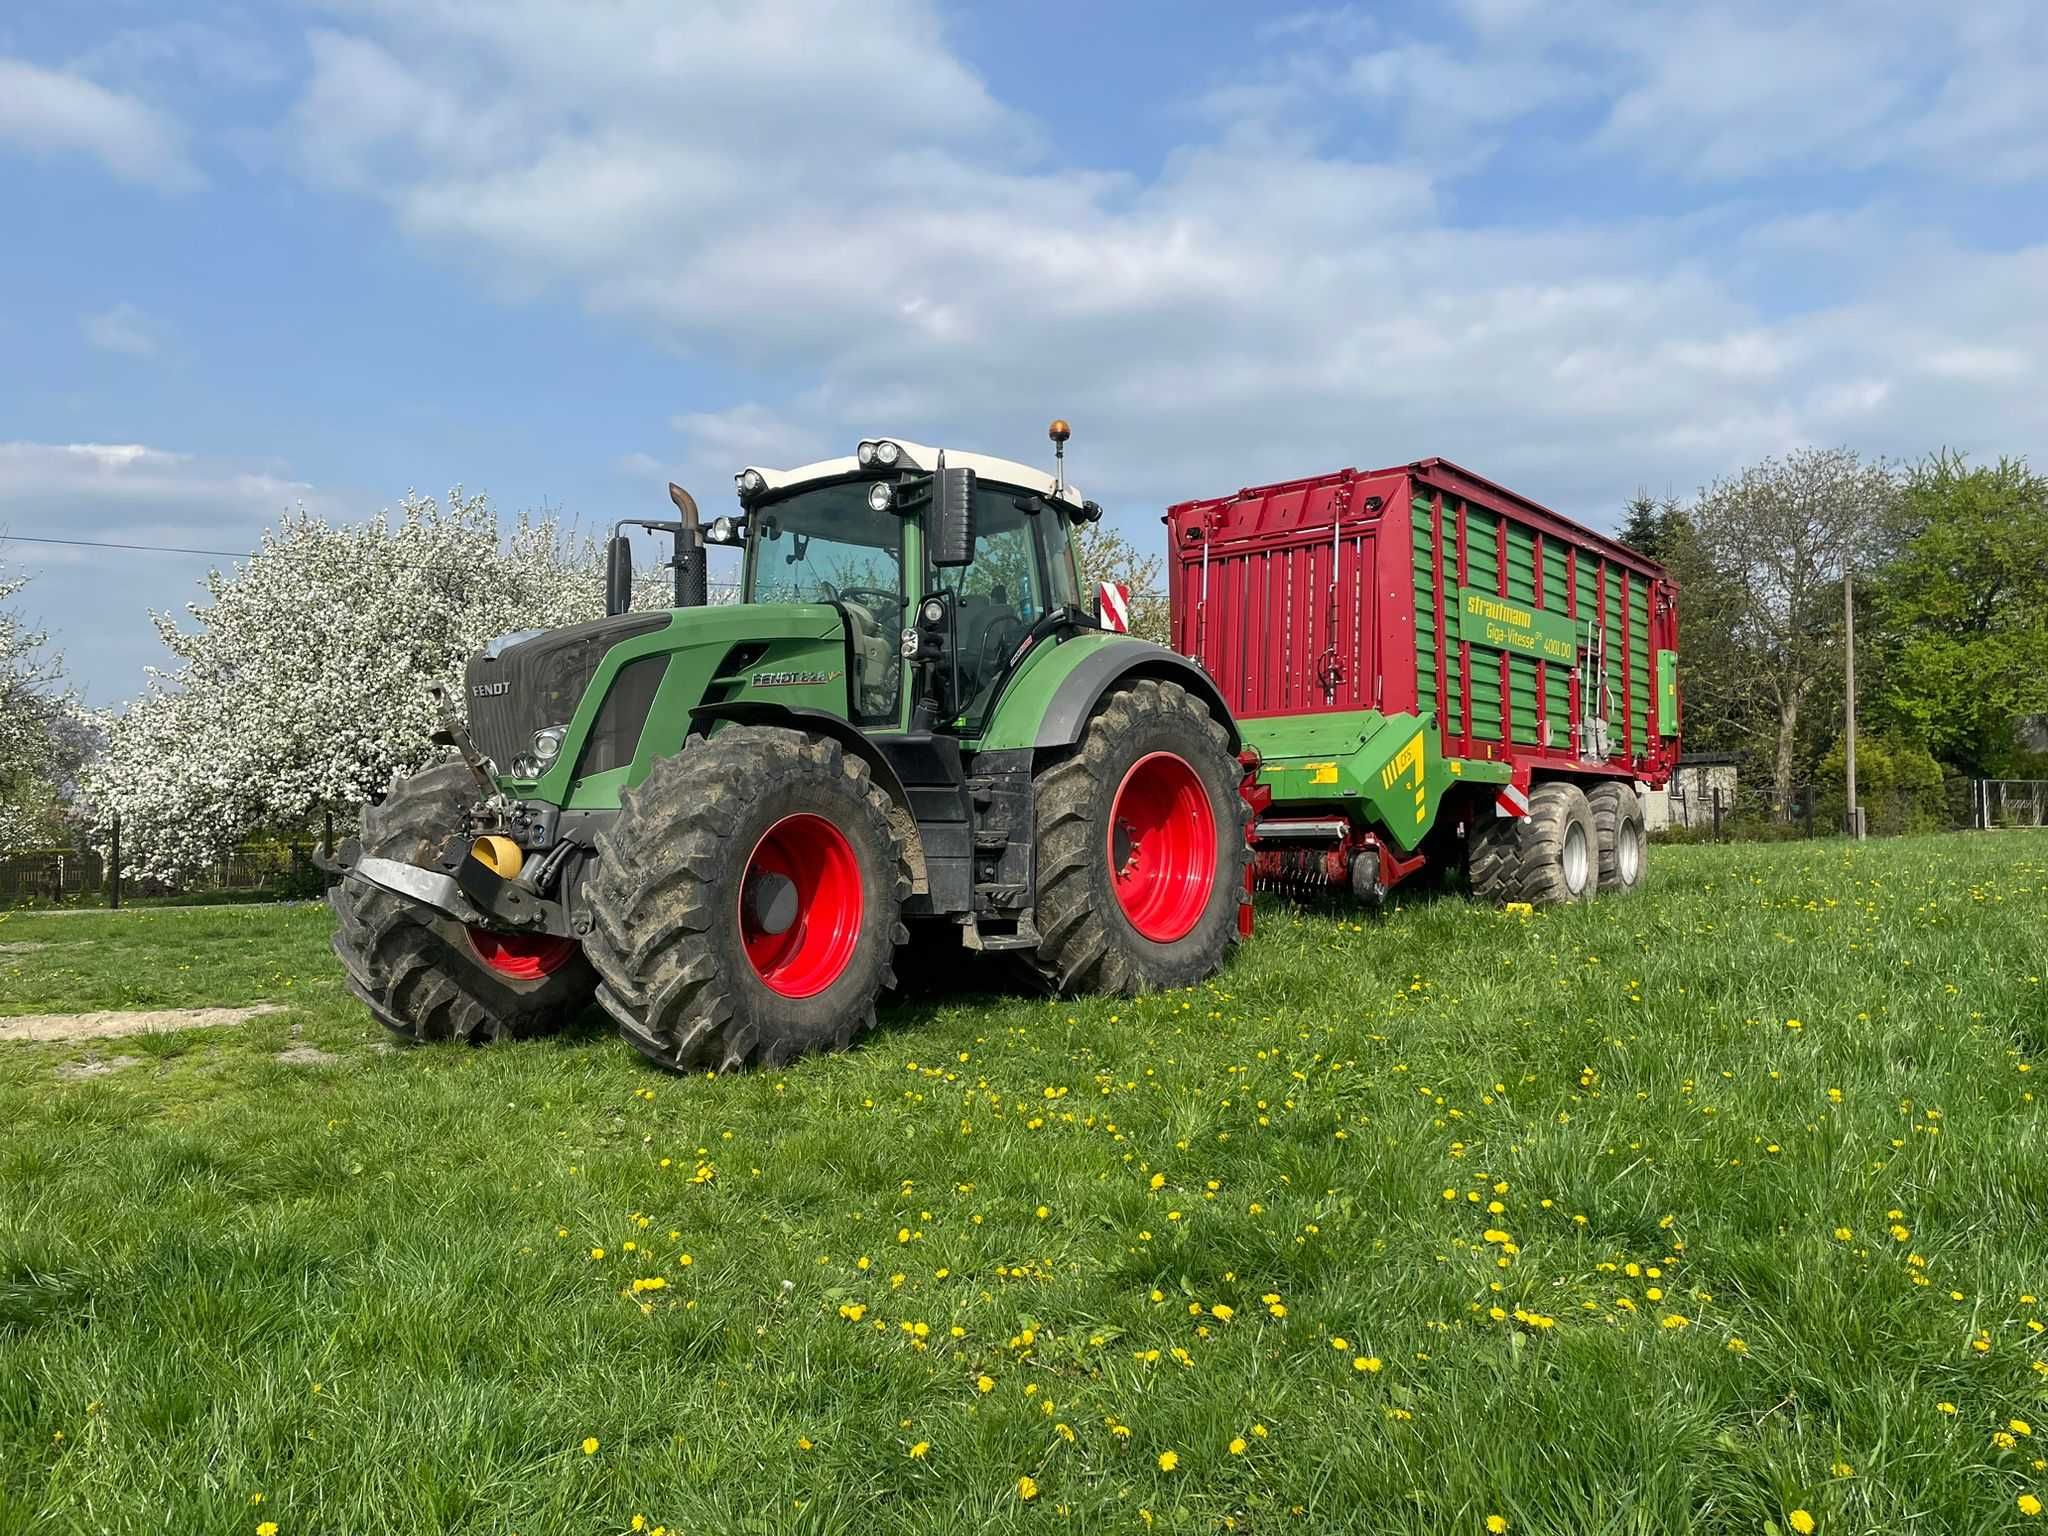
[1083,689]
[848,735]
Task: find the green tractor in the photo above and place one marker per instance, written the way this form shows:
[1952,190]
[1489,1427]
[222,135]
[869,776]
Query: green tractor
[722,820]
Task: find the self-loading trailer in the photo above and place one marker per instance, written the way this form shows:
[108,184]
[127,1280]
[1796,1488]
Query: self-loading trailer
[1429,670]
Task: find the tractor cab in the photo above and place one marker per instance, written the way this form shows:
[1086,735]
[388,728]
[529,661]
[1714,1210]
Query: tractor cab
[943,564]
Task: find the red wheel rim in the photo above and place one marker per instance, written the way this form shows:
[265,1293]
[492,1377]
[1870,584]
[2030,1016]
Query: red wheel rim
[1162,846]
[522,956]
[801,949]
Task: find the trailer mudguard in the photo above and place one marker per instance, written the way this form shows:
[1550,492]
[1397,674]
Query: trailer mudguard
[1051,700]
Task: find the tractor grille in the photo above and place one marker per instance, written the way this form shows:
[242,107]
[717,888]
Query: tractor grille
[539,682]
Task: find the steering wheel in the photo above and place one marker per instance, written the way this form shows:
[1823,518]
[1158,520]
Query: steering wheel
[879,598]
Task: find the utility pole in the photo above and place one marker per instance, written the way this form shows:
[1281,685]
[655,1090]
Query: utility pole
[1852,822]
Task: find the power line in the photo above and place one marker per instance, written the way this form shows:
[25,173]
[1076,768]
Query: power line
[223,554]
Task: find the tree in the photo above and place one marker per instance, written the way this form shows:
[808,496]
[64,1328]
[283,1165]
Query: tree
[1647,527]
[307,679]
[38,724]
[1962,610]
[1780,534]
[1106,555]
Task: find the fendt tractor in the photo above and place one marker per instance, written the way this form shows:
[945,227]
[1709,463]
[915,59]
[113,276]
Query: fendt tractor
[1432,672]
[723,819]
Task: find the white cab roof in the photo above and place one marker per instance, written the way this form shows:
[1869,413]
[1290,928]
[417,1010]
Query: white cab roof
[918,456]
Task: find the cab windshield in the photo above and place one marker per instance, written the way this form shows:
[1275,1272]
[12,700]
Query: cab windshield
[825,544]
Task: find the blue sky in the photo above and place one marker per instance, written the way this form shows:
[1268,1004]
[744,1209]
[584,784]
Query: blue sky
[257,255]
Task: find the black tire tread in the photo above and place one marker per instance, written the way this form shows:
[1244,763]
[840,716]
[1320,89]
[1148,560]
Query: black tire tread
[1518,859]
[651,918]
[1076,950]
[398,964]
[1614,803]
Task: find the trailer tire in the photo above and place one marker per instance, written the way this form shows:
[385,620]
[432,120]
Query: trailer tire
[1546,858]
[1153,772]
[748,902]
[425,977]
[1623,842]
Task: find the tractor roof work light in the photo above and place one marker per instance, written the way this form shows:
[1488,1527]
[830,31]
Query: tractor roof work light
[881,496]
[749,482]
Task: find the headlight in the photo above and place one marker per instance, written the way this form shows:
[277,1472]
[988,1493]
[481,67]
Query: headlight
[865,455]
[547,744]
[881,496]
[934,611]
[722,530]
[887,453]
[750,482]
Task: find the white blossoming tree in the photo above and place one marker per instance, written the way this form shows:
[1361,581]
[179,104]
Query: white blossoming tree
[40,737]
[306,681]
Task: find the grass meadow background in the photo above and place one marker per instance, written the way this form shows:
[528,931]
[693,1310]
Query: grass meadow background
[1720,1209]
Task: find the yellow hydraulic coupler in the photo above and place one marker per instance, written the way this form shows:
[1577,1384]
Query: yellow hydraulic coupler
[500,855]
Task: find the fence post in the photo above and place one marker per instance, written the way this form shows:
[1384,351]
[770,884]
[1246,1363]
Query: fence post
[114,869]
[1717,813]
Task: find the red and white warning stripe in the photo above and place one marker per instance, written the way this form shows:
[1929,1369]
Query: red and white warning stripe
[1510,801]
[1114,599]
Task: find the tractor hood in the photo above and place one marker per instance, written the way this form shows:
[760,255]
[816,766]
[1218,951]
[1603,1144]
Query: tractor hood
[571,715]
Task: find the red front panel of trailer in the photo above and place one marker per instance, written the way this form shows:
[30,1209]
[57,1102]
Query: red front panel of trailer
[1294,597]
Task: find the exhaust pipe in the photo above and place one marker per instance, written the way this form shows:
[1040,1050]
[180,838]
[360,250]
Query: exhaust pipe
[688,562]
[691,587]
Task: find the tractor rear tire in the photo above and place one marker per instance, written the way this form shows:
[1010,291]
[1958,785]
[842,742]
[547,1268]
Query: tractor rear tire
[1546,858]
[748,901]
[427,977]
[1623,843]
[1141,848]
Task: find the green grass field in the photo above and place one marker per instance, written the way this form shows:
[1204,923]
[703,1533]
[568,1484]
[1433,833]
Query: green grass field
[1686,1213]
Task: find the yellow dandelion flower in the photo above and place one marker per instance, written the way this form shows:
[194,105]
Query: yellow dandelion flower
[1168,1460]
[1496,1525]
[2029,1506]
[590,1446]
[1237,1446]
[918,1451]
[1370,1363]
[267,1528]
[1027,1487]
[1947,1408]
[1222,1312]
[1340,1343]
[1802,1522]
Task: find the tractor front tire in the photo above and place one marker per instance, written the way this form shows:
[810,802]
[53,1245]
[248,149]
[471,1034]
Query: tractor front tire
[1624,844]
[747,902]
[1546,858]
[1141,848]
[430,978]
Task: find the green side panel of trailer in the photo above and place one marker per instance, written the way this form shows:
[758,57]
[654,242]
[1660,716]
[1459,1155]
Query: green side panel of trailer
[1424,544]
[1667,693]
[1557,702]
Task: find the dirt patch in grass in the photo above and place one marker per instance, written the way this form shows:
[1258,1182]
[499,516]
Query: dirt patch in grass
[21,949]
[307,1056]
[107,1026]
[93,1066]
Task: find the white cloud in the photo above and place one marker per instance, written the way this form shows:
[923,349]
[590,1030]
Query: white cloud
[124,328]
[1265,304]
[55,112]
[121,490]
